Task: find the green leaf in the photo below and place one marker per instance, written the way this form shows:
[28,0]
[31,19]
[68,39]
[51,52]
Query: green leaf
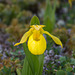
[48,10]
[32,60]
[18,71]
[60,72]
[49,25]
[69,69]
[41,59]
[49,16]
[53,12]
[72,61]
[70,73]
[62,59]
[35,21]
[26,68]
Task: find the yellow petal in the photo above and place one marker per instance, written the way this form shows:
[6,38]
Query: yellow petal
[37,27]
[56,40]
[25,36]
[37,47]
[16,44]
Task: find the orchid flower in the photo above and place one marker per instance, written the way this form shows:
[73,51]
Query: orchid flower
[36,41]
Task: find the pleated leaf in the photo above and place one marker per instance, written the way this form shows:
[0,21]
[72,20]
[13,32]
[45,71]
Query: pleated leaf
[49,25]
[26,68]
[32,60]
[49,16]
[41,60]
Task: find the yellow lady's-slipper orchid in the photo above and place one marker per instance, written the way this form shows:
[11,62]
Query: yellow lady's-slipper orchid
[36,41]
